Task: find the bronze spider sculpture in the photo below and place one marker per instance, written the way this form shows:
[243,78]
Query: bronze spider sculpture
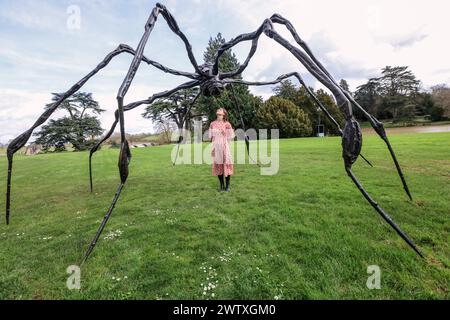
[212,83]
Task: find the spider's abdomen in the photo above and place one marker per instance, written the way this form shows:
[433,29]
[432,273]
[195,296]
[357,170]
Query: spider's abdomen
[212,87]
[351,142]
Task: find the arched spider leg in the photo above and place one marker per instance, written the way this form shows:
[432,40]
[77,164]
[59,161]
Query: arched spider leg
[125,153]
[116,114]
[352,138]
[128,107]
[131,106]
[310,93]
[246,137]
[95,148]
[22,139]
[254,36]
[173,25]
[375,123]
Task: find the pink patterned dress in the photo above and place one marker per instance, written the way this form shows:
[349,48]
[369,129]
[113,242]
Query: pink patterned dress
[220,133]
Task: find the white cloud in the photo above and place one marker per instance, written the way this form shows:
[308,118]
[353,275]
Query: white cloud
[353,39]
[32,14]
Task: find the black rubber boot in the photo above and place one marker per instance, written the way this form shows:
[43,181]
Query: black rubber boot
[221,188]
[227,188]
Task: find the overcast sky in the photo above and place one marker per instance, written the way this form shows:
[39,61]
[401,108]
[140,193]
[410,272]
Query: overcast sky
[44,50]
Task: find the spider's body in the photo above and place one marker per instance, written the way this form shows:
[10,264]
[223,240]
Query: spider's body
[212,87]
[212,83]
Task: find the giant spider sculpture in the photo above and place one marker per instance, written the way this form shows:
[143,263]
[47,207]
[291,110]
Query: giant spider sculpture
[212,83]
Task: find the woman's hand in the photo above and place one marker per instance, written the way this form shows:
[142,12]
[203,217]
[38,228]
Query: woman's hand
[229,132]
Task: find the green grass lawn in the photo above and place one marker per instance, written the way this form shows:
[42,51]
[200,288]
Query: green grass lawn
[304,233]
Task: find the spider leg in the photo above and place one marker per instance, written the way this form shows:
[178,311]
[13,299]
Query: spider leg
[173,25]
[382,213]
[379,129]
[22,139]
[131,106]
[254,36]
[311,94]
[125,156]
[98,144]
[246,137]
[340,95]
[350,133]
[375,123]
[352,138]
[351,144]
[165,69]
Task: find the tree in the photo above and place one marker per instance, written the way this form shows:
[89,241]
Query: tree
[344,85]
[176,108]
[79,128]
[329,103]
[368,96]
[441,98]
[428,107]
[398,81]
[62,131]
[287,90]
[393,95]
[165,130]
[398,87]
[247,102]
[228,61]
[282,114]
[301,98]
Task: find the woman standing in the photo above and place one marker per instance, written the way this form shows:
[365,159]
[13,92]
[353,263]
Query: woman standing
[221,133]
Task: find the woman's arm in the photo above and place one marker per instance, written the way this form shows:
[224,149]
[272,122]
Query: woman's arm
[210,133]
[229,131]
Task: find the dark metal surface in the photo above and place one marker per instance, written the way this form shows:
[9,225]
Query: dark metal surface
[212,83]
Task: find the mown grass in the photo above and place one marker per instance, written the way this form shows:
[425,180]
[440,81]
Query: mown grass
[304,233]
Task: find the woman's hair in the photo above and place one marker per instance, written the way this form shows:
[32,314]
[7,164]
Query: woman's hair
[225,113]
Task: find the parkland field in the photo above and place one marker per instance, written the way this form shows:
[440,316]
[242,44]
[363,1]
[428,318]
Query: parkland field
[304,233]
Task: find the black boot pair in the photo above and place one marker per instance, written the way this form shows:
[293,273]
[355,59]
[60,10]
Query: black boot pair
[227,181]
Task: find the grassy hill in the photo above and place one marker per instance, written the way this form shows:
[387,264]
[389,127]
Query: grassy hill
[305,233]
